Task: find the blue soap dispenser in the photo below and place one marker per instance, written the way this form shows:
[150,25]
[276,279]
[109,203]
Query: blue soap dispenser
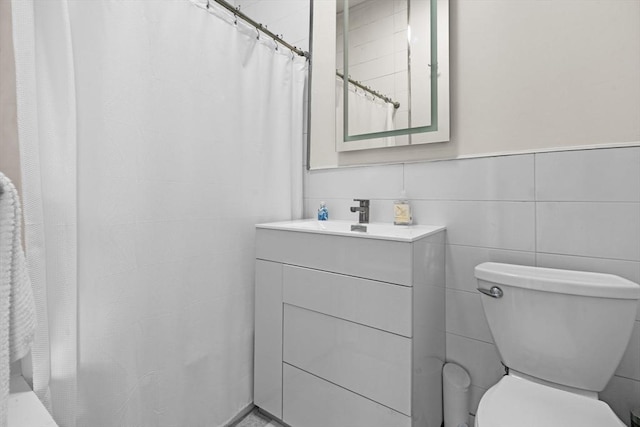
[323,212]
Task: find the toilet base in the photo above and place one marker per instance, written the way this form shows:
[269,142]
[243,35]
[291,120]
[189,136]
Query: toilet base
[516,401]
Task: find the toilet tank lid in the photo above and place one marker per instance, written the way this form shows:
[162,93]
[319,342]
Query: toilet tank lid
[558,281]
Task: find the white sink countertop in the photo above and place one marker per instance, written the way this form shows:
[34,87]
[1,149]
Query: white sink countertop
[381,231]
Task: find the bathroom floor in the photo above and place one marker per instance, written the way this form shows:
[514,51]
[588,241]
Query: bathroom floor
[256,419]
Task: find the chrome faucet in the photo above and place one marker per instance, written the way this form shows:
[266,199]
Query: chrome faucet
[363,209]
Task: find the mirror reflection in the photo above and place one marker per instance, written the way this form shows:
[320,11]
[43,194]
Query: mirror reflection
[386,47]
[389,64]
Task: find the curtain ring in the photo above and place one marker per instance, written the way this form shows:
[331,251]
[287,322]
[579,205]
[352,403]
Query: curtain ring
[258,31]
[275,43]
[207,5]
[235,18]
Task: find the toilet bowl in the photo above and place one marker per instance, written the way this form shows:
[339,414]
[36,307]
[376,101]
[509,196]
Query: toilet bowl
[514,401]
[561,334]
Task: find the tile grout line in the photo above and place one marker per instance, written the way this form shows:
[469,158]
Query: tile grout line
[404,177]
[535,212]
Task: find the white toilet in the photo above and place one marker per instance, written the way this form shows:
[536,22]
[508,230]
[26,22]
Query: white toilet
[561,334]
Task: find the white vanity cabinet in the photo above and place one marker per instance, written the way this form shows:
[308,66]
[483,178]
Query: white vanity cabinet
[349,327]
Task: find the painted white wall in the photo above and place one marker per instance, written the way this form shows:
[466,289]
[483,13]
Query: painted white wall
[531,75]
[573,210]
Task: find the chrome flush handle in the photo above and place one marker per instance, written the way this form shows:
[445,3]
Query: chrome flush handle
[494,292]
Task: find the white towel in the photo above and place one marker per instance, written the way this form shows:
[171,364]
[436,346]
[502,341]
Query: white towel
[17,308]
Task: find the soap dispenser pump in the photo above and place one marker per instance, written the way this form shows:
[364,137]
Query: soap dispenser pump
[402,210]
[323,212]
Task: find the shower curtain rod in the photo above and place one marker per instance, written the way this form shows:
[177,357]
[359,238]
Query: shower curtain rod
[396,104]
[259,27]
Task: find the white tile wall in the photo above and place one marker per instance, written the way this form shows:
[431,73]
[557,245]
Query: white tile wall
[340,209]
[479,358]
[461,260]
[622,394]
[383,182]
[629,368]
[503,225]
[574,210]
[476,394]
[465,316]
[590,175]
[489,178]
[594,229]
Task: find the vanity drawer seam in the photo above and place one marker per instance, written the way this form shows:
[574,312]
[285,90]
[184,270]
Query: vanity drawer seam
[343,319]
[341,274]
[345,388]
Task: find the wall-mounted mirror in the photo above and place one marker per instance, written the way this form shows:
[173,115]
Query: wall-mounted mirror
[391,72]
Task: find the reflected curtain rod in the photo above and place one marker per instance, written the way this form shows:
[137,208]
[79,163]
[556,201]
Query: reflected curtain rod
[385,98]
[259,27]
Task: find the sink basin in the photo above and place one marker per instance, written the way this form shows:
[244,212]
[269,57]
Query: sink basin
[382,231]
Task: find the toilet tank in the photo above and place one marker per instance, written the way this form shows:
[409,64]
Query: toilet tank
[568,327]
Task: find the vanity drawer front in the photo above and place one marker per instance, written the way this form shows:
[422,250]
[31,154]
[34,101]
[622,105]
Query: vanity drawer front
[384,260]
[309,401]
[367,361]
[267,373]
[377,304]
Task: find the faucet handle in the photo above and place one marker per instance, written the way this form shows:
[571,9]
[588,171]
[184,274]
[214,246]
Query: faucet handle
[363,209]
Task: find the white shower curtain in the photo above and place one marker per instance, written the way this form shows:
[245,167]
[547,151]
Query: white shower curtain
[46,130]
[367,114]
[189,131]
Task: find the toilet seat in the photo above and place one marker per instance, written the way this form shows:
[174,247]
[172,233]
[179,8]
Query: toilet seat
[515,401]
